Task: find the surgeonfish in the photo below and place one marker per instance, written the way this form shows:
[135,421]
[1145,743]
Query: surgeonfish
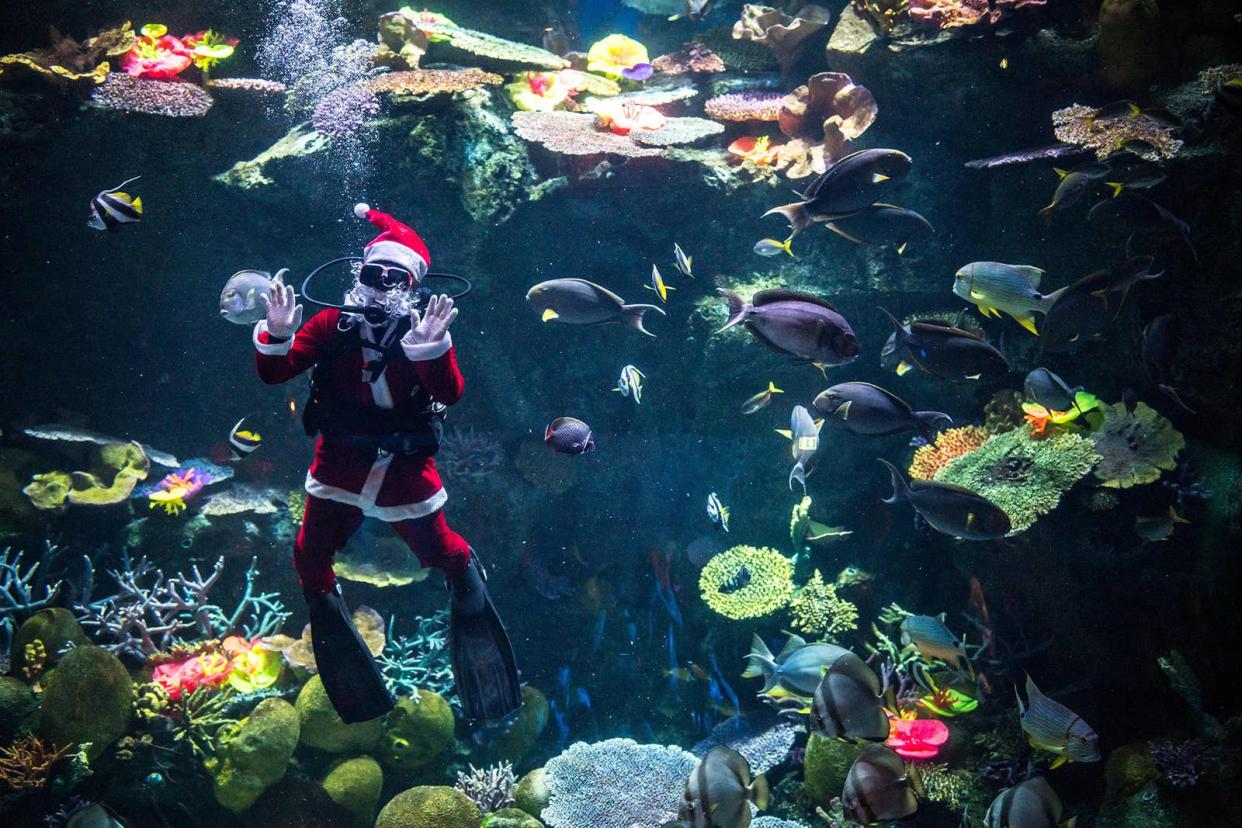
[568,435]
[846,704]
[760,400]
[684,262]
[1053,727]
[1114,111]
[1032,803]
[720,790]
[1140,178]
[243,440]
[1139,212]
[1049,390]
[863,408]
[944,351]
[771,247]
[630,384]
[717,511]
[579,302]
[849,185]
[929,635]
[799,325]
[804,436]
[793,673]
[241,300]
[996,287]
[954,510]
[112,208]
[879,787]
[883,225]
[657,284]
[1086,307]
[1158,528]
[1070,190]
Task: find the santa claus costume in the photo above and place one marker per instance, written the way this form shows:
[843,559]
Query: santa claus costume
[377,399]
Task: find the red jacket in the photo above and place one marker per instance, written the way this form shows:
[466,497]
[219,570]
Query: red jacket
[385,486]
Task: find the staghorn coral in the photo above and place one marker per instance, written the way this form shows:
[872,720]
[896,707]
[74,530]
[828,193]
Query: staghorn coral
[747,105]
[1074,125]
[768,588]
[575,133]
[256,86]
[694,58]
[950,444]
[26,764]
[468,456]
[677,132]
[780,32]
[342,112]
[491,788]
[19,589]
[615,784]
[428,82]
[1134,449]
[419,662]
[1023,476]
[816,609]
[67,61]
[170,98]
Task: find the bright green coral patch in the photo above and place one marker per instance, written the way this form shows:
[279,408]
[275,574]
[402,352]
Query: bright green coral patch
[765,587]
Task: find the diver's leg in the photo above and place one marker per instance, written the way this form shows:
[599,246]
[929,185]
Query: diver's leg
[484,668]
[326,527]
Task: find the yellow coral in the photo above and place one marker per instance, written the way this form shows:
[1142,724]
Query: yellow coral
[765,587]
[816,609]
[950,444]
[616,53]
[172,500]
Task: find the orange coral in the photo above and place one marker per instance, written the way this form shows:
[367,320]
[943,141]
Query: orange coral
[27,762]
[950,444]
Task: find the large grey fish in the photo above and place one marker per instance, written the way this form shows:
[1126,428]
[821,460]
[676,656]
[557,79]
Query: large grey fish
[1031,803]
[846,705]
[719,791]
[1072,187]
[883,224]
[863,408]
[71,434]
[996,287]
[1053,727]
[953,510]
[945,351]
[241,301]
[1049,390]
[852,183]
[795,672]
[879,787]
[929,635]
[579,302]
[803,435]
[800,325]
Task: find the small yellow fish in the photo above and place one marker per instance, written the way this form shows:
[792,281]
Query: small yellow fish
[761,399]
[1004,64]
[657,284]
[771,247]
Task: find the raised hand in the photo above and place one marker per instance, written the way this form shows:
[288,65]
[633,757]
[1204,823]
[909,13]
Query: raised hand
[433,324]
[284,317]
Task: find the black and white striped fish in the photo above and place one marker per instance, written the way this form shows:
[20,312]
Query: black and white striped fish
[112,208]
[243,441]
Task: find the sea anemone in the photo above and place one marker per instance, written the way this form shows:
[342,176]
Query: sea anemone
[1134,448]
[618,56]
[950,444]
[816,609]
[767,586]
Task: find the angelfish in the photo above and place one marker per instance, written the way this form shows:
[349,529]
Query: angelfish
[630,384]
[720,790]
[112,208]
[804,434]
[1032,803]
[1053,727]
[717,511]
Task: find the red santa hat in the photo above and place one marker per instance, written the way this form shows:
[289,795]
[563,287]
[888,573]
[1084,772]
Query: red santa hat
[396,244]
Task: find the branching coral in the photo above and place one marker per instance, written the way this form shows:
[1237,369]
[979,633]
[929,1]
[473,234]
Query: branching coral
[1077,125]
[427,82]
[172,99]
[748,105]
[19,589]
[1025,477]
[766,587]
[66,60]
[950,444]
[817,610]
[694,58]
[489,788]
[615,784]
[469,456]
[26,764]
[422,661]
[780,32]
[1134,449]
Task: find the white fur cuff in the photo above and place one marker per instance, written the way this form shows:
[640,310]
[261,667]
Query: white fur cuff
[426,350]
[270,348]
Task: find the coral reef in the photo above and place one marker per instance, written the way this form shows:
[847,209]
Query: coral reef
[829,110]
[694,58]
[491,788]
[573,133]
[253,753]
[514,737]
[747,105]
[1134,450]
[1003,412]
[468,456]
[67,61]
[26,764]
[1180,763]
[126,462]
[763,742]
[238,500]
[405,36]
[172,99]
[780,32]
[428,82]
[767,588]
[956,789]
[429,806]
[416,731]
[256,86]
[342,112]
[322,728]
[825,765]
[422,661]
[1076,125]
[678,131]
[950,444]
[88,698]
[356,784]
[615,784]
[816,609]
[19,589]
[1023,476]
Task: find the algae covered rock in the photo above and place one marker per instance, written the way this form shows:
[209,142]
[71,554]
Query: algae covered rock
[322,728]
[531,794]
[17,702]
[429,806]
[356,784]
[1128,770]
[87,698]
[415,732]
[253,753]
[522,730]
[826,764]
[297,803]
[55,627]
[510,818]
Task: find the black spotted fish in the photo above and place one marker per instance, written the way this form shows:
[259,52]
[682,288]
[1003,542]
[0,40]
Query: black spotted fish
[1053,727]
[879,787]
[846,704]
[954,510]
[720,790]
[1031,803]
[112,208]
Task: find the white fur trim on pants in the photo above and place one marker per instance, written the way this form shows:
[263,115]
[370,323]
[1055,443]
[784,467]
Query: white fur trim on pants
[388,514]
[270,348]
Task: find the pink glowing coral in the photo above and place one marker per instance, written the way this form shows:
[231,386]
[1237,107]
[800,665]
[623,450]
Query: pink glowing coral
[916,738]
[209,669]
[160,56]
[173,490]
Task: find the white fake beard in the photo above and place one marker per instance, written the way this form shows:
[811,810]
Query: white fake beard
[396,303]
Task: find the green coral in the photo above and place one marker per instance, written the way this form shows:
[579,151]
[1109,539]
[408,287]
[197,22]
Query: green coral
[825,765]
[323,728]
[521,732]
[816,609]
[531,794]
[768,589]
[55,627]
[416,731]
[429,806]
[955,789]
[253,753]
[356,784]
[1128,770]
[88,698]
[1022,475]
[510,818]
[1134,449]
[17,703]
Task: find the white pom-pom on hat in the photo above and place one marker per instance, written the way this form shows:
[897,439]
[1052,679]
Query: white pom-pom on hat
[361,209]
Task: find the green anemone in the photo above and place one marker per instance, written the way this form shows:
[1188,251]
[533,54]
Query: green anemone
[769,587]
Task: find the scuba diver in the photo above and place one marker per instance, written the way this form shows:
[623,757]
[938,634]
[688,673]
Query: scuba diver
[380,384]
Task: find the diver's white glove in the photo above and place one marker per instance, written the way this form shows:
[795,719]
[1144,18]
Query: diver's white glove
[284,317]
[431,326]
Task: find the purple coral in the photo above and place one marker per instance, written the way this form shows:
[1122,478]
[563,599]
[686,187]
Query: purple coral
[343,111]
[172,99]
[747,105]
[1179,762]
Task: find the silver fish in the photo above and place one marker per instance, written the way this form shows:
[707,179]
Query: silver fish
[760,400]
[1070,190]
[804,438]
[717,511]
[1031,803]
[932,638]
[112,208]
[241,300]
[719,791]
[70,434]
[579,302]
[995,287]
[846,705]
[630,383]
[684,262]
[793,673]
[879,788]
[1053,727]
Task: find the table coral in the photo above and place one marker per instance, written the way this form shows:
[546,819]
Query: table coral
[768,588]
[1023,476]
[678,132]
[67,61]
[170,98]
[694,58]
[950,444]
[573,133]
[817,610]
[615,784]
[432,81]
[1134,449]
[407,34]
[747,105]
[257,86]
[1077,125]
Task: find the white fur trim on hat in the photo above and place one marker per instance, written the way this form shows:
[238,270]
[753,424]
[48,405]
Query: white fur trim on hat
[391,252]
[361,209]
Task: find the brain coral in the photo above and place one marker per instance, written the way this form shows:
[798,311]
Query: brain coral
[615,784]
[950,444]
[429,806]
[1134,449]
[768,588]
[1025,477]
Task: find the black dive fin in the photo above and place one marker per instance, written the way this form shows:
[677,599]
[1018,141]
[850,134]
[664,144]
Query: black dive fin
[484,669]
[350,676]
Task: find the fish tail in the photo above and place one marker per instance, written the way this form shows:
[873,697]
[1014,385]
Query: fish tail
[797,216]
[772,389]
[1047,212]
[757,792]
[897,326]
[798,473]
[737,307]
[1175,517]
[785,245]
[1047,300]
[1060,172]
[931,423]
[1117,186]
[901,489]
[634,316]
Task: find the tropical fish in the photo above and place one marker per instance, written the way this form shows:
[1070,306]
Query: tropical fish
[761,399]
[846,704]
[863,408]
[1113,111]
[243,440]
[569,436]
[1070,190]
[738,581]
[995,287]
[72,434]
[1140,178]
[720,791]
[795,672]
[852,183]
[1094,170]
[929,635]
[879,788]
[1085,308]
[1159,527]
[803,434]
[717,511]
[1139,212]
[800,325]
[112,208]
[1049,390]
[1138,146]
[883,224]
[604,169]
[241,300]
[657,284]
[630,383]
[1159,344]
[579,302]
[1053,727]
[684,262]
[1032,803]
[954,510]
[945,351]
[1130,399]
[772,247]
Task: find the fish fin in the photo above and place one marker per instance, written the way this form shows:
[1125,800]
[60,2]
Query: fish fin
[902,248]
[1176,517]
[758,792]
[1117,186]
[797,216]
[901,489]
[772,389]
[785,245]
[784,432]
[792,645]
[876,178]
[844,234]
[1135,110]
[844,410]
[1027,322]
[1058,762]
[737,308]
[1047,212]
[549,314]
[904,368]
[137,205]
[798,472]
[633,316]
[1060,172]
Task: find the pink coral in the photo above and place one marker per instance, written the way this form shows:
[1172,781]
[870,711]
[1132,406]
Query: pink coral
[161,58]
[210,669]
[952,14]
[749,105]
[916,738]
[172,98]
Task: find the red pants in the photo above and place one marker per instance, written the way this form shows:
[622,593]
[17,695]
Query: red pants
[327,525]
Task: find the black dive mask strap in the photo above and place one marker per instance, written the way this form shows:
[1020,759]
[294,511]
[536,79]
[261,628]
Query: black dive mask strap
[373,314]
